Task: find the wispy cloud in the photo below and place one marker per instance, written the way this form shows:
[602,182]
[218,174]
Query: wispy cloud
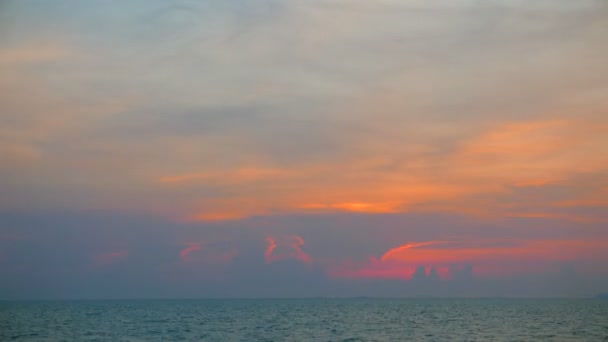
[345,122]
[289,247]
[32,54]
[190,248]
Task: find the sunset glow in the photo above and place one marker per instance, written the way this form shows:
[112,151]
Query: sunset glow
[303,148]
[512,258]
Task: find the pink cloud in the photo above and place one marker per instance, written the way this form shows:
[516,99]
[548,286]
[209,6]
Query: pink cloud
[209,252]
[272,245]
[487,259]
[184,254]
[291,248]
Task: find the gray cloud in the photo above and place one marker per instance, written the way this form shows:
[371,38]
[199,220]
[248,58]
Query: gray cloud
[347,100]
[56,258]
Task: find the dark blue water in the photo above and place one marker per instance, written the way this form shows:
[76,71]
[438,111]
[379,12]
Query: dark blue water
[307,320]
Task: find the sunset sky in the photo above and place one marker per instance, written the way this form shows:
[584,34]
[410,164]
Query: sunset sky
[272,148]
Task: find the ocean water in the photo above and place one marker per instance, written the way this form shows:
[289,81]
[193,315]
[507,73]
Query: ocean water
[307,320]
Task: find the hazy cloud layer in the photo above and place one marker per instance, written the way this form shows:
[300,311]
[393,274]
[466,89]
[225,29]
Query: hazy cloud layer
[356,126]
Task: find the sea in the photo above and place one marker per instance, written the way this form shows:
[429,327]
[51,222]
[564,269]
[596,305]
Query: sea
[360,319]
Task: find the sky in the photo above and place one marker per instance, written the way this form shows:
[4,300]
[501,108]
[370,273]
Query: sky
[310,148]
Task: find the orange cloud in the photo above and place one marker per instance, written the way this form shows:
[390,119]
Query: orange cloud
[520,140]
[583,203]
[358,207]
[479,175]
[33,53]
[226,209]
[291,249]
[240,175]
[556,216]
[533,153]
[184,178]
[220,216]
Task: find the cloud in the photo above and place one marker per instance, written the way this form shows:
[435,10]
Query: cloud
[492,165]
[257,129]
[209,253]
[109,258]
[272,245]
[452,260]
[32,54]
[395,252]
[221,123]
[242,175]
[190,248]
[474,258]
[289,247]
[359,207]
